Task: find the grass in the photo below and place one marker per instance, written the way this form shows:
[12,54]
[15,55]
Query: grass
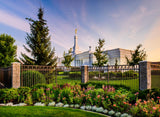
[32,111]
[132,83]
[155,81]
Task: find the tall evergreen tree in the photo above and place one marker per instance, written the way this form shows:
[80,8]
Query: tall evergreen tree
[7,50]
[39,45]
[100,55]
[68,58]
[137,56]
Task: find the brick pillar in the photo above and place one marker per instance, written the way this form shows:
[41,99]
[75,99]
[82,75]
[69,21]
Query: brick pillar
[15,75]
[144,75]
[84,74]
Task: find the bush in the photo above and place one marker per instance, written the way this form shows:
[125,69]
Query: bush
[100,84]
[32,77]
[22,93]
[152,93]
[130,73]
[8,95]
[74,75]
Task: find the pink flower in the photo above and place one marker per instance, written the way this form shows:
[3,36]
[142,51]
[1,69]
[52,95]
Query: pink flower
[47,89]
[124,103]
[114,105]
[136,93]
[136,104]
[154,108]
[139,100]
[158,97]
[98,96]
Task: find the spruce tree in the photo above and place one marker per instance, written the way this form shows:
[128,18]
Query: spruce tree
[68,58]
[39,45]
[137,56]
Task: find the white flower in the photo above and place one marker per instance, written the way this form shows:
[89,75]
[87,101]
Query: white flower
[51,104]
[39,104]
[88,107]
[59,104]
[82,107]
[105,111]
[124,115]
[9,104]
[66,105]
[94,108]
[76,106]
[111,112]
[100,109]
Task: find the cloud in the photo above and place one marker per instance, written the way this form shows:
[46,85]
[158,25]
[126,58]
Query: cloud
[13,21]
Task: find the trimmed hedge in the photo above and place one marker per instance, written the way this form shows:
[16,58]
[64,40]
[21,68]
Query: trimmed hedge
[32,77]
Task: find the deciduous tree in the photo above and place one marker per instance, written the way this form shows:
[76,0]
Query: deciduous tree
[7,50]
[68,58]
[137,56]
[100,55]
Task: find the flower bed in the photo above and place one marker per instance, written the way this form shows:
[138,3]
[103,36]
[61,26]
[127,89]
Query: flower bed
[102,99]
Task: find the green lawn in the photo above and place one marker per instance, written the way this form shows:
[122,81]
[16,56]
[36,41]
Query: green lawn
[155,81]
[32,111]
[132,83]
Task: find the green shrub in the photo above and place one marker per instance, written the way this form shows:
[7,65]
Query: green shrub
[93,73]
[38,94]
[37,86]
[74,75]
[119,74]
[130,73]
[22,93]
[8,95]
[32,77]
[149,93]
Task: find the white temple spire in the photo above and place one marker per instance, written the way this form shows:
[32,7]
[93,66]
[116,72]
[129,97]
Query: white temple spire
[75,47]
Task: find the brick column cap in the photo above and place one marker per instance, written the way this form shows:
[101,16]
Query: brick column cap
[15,63]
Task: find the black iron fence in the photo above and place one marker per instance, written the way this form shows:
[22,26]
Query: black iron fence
[120,75]
[36,74]
[5,77]
[155,75]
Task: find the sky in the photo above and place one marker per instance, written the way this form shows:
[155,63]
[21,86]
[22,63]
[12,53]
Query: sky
[122,23]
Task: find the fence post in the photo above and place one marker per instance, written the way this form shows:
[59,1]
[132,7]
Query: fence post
[144,75]
[15,75]
[84,74]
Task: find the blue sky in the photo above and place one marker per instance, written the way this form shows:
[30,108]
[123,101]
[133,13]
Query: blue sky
[122,23]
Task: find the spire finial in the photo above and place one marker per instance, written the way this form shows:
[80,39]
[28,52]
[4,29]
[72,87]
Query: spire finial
[76,31]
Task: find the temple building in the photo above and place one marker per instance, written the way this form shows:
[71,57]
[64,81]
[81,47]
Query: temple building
[87,57]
